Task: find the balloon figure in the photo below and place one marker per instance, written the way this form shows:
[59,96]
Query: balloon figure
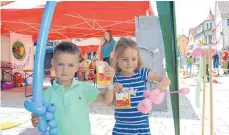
[37,105]
[155,97]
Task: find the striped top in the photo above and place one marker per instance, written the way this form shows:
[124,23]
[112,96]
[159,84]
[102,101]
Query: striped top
[138,82]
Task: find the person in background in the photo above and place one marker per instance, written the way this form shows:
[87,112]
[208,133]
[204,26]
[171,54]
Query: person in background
[228,60]
[107,46]
[181,63]
[84,68]
[216,63]
[225,60]
[189,64]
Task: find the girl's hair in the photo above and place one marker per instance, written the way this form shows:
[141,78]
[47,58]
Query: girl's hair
[122,44]
[111,37]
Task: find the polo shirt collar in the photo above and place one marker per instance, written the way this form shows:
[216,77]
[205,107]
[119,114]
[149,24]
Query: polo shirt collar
[74,84]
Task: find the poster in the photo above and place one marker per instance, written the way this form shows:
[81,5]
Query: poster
[22,51]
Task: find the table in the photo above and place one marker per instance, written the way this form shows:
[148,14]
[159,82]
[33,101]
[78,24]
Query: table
[28,74]
[6,71]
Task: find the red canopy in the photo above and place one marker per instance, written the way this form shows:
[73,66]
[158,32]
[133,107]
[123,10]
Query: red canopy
[77,19]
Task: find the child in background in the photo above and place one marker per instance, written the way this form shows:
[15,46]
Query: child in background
[92,67]
[84,68]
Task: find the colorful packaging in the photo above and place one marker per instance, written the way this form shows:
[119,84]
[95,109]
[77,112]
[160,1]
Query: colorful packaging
[123,100]
[102,80]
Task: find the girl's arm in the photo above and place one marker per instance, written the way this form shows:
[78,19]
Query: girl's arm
[164,82]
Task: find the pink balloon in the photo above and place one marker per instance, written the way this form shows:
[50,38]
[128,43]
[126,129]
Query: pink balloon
[184,91]
[145,106]
[156,96]
[146,93]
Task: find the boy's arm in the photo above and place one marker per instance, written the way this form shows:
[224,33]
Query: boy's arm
[107,97]
[93,94]
[164,82]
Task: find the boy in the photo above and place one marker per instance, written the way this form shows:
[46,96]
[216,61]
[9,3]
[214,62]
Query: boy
[71,97]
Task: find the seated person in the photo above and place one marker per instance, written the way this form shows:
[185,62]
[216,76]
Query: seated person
[84,68]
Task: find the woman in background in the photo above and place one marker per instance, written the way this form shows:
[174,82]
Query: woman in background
[107,46]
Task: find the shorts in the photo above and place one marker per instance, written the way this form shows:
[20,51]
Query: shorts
[215,65]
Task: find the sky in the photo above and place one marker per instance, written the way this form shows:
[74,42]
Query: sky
[190,13]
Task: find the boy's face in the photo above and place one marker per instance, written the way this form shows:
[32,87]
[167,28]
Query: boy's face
[65,65]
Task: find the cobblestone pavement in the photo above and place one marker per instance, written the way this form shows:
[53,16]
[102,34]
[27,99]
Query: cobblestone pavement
[161,122]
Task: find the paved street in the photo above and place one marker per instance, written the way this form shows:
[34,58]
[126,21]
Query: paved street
[161,123]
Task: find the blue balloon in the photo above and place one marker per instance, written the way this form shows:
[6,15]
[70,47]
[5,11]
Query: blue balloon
[46,104]
[48,116]
[47,132]
[52,123]
[53,131]
[51,108]
[36,105]
[42,128]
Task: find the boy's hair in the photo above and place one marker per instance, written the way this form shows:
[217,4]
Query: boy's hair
[122,44]
[66,47]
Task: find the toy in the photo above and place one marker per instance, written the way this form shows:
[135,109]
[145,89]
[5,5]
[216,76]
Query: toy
[37,105]
[5,85]
[155,97]
[18,80]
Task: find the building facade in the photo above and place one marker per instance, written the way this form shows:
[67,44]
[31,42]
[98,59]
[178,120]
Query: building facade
[222,24]
[182,45]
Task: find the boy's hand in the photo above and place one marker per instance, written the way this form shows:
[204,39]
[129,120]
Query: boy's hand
[109,72]
[35,120]
[118,87]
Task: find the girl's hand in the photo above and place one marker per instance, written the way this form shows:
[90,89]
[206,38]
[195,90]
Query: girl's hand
[118,87]
[35,120]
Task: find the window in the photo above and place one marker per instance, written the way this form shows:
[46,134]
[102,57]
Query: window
[227,22]
[210,25]
[207,26]
[209,39]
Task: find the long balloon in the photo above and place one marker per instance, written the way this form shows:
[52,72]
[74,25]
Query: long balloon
[37,105]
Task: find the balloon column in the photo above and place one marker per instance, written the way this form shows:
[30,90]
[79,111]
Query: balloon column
[37,105]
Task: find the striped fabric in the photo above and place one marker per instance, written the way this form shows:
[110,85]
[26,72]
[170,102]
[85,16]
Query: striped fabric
[131,121]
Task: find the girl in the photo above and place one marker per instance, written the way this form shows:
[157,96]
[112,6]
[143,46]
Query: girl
[130,75]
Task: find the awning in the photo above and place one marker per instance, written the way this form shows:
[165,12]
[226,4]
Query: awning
[77,19]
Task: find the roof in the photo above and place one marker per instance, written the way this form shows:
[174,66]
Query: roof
[180,36]
[223,7]
[210,16]
[77,19]
[192,31]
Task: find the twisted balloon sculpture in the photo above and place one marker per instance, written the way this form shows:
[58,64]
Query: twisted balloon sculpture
[37,105]
[155,97]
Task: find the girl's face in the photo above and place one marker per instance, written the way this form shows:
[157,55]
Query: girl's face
[128,61]
[107,36]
